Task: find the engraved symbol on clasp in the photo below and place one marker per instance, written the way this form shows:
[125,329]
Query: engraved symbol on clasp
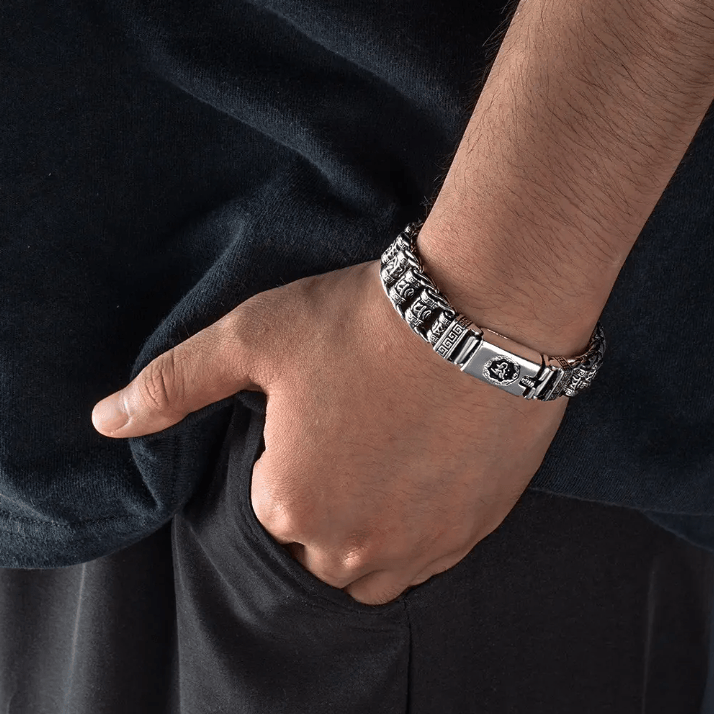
[500,370]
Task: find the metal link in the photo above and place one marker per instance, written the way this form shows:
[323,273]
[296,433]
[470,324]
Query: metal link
[421,312]
[439,326]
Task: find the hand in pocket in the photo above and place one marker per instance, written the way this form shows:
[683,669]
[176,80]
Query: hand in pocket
[384,464]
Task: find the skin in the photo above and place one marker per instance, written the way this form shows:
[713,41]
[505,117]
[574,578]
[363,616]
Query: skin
[384,464]
[587,113]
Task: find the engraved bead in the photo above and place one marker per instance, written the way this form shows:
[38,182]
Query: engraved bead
[422,311]
[393,269]
[438,327]
[404,289]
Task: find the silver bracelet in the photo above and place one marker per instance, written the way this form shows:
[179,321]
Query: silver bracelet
[480,352]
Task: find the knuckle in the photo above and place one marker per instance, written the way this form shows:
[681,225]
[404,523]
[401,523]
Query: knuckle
[271,501]
[285,524]
[160,388]
[340,570]
[353,561]
[263,510]
[248,323]
[249,330]
[274,518]
[362,553]
[291,523]
[333,574]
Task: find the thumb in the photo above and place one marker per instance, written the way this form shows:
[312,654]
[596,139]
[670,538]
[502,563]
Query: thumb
[211,365]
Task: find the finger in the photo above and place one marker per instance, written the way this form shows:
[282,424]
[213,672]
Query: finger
[382,586]
[337,572]
[211,365]
[379,587]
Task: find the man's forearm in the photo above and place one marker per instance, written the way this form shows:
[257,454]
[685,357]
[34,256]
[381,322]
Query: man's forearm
[586,113]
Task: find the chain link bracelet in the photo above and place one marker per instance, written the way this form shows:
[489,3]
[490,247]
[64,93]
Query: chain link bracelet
[481,353]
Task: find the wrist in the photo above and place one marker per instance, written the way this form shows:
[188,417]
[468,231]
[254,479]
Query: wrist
[554,313]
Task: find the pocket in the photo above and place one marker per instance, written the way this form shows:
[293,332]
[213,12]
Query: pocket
[290,570]
[257,630]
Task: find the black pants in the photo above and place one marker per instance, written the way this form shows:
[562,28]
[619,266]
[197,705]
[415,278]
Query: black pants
[569,606]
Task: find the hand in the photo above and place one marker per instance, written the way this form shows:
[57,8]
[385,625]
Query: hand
[384,464]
